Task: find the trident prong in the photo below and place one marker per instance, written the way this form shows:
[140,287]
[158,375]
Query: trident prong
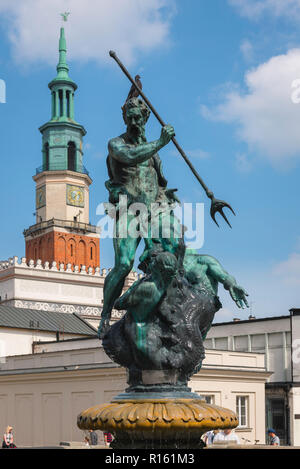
[217,206]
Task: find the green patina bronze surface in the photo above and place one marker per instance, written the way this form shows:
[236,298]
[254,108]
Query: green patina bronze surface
[168,312]
[135,172]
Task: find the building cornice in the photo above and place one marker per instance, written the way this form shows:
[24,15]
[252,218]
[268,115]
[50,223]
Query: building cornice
[58,373]
[59,174]
[216,373]
[247,321]
[63,123]
[96,371]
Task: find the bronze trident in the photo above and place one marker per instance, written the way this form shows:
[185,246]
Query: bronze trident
[216,205]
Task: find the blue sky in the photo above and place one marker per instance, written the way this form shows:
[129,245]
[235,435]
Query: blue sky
[220,72]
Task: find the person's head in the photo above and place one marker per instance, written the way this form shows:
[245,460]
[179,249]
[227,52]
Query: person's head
[271,432]
[227,431]
[135,115]
[9,429]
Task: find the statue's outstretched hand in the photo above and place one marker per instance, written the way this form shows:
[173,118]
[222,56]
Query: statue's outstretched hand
[238,294]
[167,133]
[103,327]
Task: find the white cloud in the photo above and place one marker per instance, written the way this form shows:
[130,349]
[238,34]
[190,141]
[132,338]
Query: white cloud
[273,290]
[242,163]
[254,9]
[93,28]
[289,270]
[246,48]
[265,115]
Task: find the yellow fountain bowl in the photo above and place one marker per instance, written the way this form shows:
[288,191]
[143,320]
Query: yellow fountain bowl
[159,418]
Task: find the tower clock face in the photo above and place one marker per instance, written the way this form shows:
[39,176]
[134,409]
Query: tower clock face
[75,196]
[41,197]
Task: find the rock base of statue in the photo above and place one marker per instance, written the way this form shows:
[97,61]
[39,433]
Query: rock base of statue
[165,419]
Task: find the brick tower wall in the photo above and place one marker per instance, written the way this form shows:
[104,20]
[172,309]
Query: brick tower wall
[66,248]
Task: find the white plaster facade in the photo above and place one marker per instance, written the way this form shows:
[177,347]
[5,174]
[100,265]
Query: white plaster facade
[19,341]
[66,289]
[56,205]
[278,338]
[271,336]
[42,394]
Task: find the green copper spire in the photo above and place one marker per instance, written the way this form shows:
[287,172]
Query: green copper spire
[62,87]
[62,135]
[62,67]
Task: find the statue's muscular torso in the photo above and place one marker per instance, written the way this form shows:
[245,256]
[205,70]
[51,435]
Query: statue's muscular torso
[139,179]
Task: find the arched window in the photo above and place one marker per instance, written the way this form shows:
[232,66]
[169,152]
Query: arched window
[61,250]
[53,104]
[71,156]
[68,104]
[61,108]
[93,251]
[72,251]
[47,162]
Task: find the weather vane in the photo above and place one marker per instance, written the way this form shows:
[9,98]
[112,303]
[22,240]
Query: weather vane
[65,15]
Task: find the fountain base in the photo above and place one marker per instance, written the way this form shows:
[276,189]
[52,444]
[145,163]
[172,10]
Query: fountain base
[156,422]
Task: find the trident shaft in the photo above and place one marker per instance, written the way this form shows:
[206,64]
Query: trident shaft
[216,205]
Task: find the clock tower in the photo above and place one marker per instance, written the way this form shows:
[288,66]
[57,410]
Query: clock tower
[62,232]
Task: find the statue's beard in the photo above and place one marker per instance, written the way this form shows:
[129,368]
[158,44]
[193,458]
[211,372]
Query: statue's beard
[136,132]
